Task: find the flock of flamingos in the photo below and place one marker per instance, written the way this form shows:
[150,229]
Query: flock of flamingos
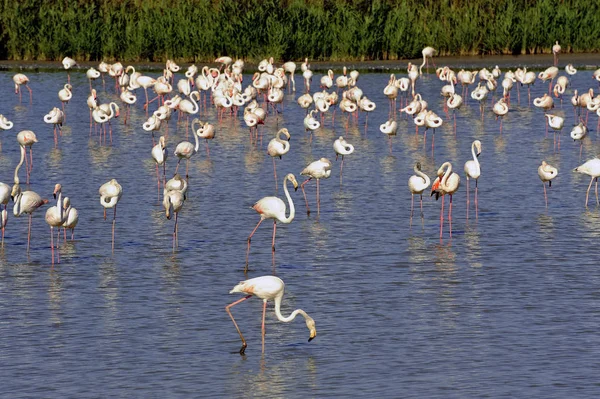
[264,97]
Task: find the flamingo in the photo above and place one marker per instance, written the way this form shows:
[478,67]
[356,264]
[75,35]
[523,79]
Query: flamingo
[25,201]
[205,131]
[267,288]
[342,147]
[278,147]
[55,217]
[500,109]
[560,87]
[71,218]
[311,123]
[417,184]
[578,133]
[5,191]
[305,101]
[55,117]
[21,79]
[159,154]
[473,171]
[570,69]
[590,168]
[556,123]
[146,82]
[555,51]
[129,98]
[68,63]
[177,183]
[545,102]
[185,149]
[104,113]
[427,52]
[447,182]
[65,94]
[290,67]
[528,80]
[110,194]
[432,120]
[454,102]
[173,202]
[274,208]
[316,170]
[549,74]
[189,107]
[92,74]
[390,128]
[26,138]
[92,103]
[547,172]
[327,80]
[5,124]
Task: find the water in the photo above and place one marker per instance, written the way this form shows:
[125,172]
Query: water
[506,308]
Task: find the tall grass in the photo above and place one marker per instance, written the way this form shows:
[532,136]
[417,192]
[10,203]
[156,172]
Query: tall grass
[200,30]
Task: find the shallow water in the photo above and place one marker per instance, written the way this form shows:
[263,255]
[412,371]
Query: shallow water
[506,308]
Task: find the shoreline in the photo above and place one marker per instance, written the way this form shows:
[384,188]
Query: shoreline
[588,61]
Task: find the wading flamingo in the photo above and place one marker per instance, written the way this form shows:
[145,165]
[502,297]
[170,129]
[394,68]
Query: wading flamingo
[473,170]
[547,172]
[447,182]
[390,128]
[55,217]
[173,202]
[267,288]
[578,133]
[278,147]
[320,169]
[590,168]
[500,109]
[71,218]
[159,154]
[274,208]
[555,51]
[110,194]
[556,123]
[185,150]
[342,147]
[26,138]
[25,201]
[417,183]
[427,52]
[20,79]
[68,63]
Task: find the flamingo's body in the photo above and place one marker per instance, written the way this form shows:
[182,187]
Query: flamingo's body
[56,217]
[71,218]
[320,169]
[20,79]
[278,147]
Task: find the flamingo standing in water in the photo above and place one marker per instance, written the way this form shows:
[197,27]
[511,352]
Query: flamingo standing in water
[278,147]
[390,128]
[417,183]
[159,154]
[320,169]
[68,63]
[447,182]
[547,172]
[342,147]
[267,288]
[71,218]
[5,124]
[185,150]
[555,51]
[173,202]
[473,171]
[274,208]
[578,133]
[110,194]
[56,217]
[65,94]
[549,74]
[556,123]
[500,109]
[590,168]
[27,138]
[25,201]
[92,74]
[5,190]
[20,79]
[55,117]
[427,52]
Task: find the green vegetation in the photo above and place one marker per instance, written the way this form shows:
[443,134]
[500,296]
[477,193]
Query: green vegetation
[200,30]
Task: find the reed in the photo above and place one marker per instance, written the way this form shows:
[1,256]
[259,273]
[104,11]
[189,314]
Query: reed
[200,30]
